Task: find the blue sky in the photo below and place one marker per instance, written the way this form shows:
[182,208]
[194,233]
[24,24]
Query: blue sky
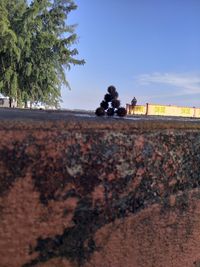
[149,49]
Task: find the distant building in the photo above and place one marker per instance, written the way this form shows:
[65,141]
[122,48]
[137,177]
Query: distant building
[5,102]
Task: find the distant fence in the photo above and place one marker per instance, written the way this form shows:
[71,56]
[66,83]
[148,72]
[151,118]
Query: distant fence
[161,110]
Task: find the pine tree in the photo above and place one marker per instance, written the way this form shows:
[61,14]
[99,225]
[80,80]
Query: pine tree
[36,48]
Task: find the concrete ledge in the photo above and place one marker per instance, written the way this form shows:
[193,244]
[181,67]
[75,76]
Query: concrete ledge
[76,190]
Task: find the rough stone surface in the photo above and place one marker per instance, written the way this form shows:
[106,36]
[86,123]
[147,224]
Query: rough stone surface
[90,192]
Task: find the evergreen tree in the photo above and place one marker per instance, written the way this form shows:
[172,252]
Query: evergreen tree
[35,49]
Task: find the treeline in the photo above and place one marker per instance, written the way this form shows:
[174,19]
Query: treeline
[36,48]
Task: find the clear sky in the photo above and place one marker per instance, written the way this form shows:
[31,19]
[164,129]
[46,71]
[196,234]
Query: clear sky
[149,49]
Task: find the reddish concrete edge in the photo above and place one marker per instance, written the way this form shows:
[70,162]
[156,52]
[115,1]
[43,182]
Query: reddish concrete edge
[99,193]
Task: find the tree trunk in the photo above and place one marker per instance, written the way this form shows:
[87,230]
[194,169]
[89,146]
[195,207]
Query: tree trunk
[10,102]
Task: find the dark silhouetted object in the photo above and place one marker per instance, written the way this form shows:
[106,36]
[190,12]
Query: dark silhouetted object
[121,112]
[110,112]
[115,103]
[111,90]
[108,97]
[134,102]
[115,95]
[100,111]
[104,105]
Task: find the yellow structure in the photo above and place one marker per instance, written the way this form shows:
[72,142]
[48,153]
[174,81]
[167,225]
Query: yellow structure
[137,110]
[162,110]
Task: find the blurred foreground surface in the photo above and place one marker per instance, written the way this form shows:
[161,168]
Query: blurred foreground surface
[76,190]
